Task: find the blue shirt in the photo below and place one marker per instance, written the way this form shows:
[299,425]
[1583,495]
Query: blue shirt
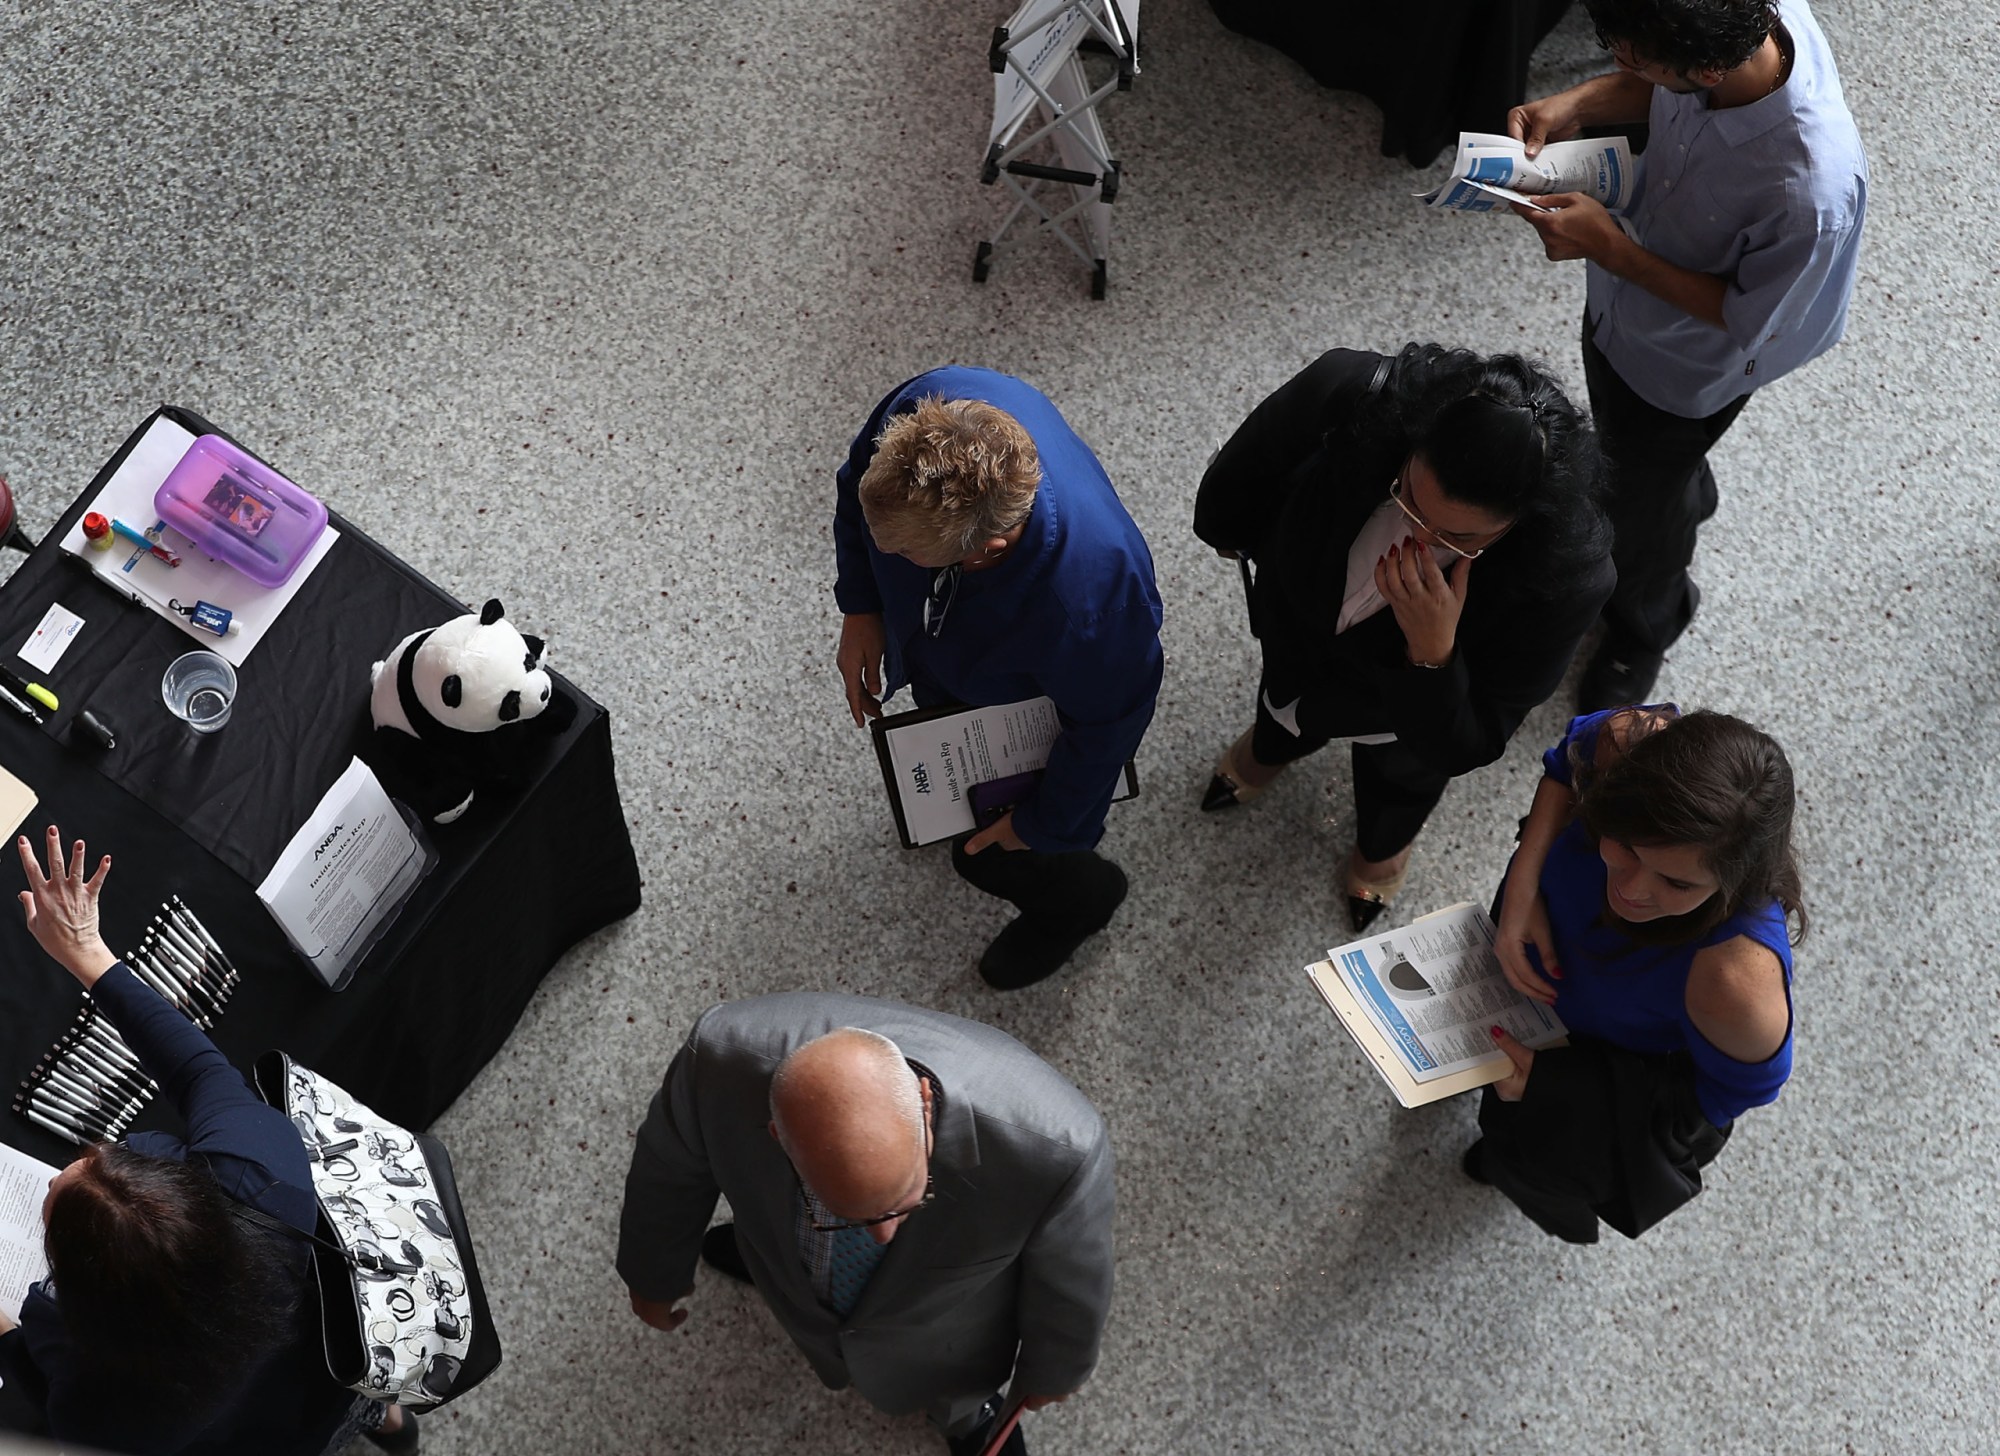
[1634,995]
[1071,613]
[1769,196]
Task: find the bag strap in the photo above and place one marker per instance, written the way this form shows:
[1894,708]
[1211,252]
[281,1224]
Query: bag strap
[1376,382]
[278,1225]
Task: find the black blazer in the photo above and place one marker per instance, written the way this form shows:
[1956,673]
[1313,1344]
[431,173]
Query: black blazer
[1292,489]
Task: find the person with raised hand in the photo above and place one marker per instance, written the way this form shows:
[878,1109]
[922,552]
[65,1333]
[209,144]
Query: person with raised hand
[170,1325]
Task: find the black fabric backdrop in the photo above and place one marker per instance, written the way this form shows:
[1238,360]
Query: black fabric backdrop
[1435,69]
[524,875]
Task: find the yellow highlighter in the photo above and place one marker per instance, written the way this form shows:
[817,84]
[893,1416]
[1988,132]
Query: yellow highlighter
[29,689]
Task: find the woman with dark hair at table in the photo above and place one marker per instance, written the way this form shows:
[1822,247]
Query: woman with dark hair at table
[1429,551]
[1652,904]
[169,1322]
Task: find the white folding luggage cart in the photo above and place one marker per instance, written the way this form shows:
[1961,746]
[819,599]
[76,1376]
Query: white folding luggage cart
[1047,145]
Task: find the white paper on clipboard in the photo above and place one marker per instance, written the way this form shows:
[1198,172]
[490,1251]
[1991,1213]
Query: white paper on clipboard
[128,496]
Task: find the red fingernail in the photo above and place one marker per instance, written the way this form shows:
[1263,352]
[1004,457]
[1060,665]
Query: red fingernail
[1496,1032]
[1556,972]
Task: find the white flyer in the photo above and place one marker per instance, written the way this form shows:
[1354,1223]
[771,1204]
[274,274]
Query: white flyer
[24,1183]
[931,763]
[345,874]
[130,572]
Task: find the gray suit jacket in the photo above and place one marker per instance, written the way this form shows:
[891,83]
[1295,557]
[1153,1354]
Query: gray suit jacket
[1009,1269]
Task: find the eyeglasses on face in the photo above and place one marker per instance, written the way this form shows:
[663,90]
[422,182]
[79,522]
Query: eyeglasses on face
[1399,493]
[835,1225]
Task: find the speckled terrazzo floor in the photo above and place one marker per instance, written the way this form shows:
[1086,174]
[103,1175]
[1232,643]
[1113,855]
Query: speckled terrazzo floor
[578,307]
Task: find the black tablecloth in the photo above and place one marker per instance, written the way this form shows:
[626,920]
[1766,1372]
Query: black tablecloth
[1435,69]
[527,872]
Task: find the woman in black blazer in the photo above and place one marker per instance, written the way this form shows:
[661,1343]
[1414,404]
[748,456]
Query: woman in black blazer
[1429,550]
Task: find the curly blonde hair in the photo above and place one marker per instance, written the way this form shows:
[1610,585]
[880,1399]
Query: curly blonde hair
[948,475]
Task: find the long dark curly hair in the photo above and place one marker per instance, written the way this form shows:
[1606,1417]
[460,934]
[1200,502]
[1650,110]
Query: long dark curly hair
[1501,436]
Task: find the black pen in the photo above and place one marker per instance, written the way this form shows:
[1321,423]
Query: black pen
[54,1099]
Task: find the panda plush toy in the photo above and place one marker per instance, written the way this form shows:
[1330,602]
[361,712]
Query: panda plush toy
[459,706]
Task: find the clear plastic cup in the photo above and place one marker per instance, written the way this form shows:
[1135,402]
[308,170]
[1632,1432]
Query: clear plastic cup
[200,689]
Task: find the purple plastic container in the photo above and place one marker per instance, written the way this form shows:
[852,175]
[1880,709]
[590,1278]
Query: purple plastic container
[240,511]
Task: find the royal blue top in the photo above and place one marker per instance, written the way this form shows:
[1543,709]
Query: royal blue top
[1770,197]
[1071,613]
[284,1403]
[1634,995]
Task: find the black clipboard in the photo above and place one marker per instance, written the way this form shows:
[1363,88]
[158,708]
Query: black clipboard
[880,727]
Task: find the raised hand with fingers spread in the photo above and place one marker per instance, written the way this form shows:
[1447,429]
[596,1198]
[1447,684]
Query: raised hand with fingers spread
[60,907]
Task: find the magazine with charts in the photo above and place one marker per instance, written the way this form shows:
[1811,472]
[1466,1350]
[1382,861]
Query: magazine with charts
[1489,171]
[1420,1002]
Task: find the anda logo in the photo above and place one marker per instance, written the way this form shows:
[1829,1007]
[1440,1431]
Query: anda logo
[332,835]
[921,777]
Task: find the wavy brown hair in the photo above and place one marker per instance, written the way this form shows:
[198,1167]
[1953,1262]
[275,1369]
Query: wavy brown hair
[1711,781]
[948,475]
[166,1294]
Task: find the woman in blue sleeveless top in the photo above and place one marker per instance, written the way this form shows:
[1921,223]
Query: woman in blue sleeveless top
[1651,903]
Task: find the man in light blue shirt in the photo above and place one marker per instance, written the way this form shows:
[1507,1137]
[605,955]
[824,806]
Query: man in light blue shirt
[1734,268]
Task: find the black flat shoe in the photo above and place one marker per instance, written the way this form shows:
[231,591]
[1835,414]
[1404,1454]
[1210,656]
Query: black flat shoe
[973,1443]
[1025,952]
[1220,794]
[719,1252]
[1618,674]
[1473,1164]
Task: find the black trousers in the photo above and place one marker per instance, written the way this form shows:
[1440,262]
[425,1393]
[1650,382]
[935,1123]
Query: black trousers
[1066,895]
[1394,788]
[1661,490]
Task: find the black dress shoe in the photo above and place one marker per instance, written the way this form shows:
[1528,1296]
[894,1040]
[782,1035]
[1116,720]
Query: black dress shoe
[1220,794]
[1361,912]
[1023,953]
[1473,1164]
[1618,674]
[1026,951]
[974,1442]
[719,1252]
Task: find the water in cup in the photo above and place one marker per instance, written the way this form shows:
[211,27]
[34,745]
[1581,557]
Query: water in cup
[200,689]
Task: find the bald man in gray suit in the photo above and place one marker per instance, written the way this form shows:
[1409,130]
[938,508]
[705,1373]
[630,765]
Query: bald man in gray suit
[923,1202]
